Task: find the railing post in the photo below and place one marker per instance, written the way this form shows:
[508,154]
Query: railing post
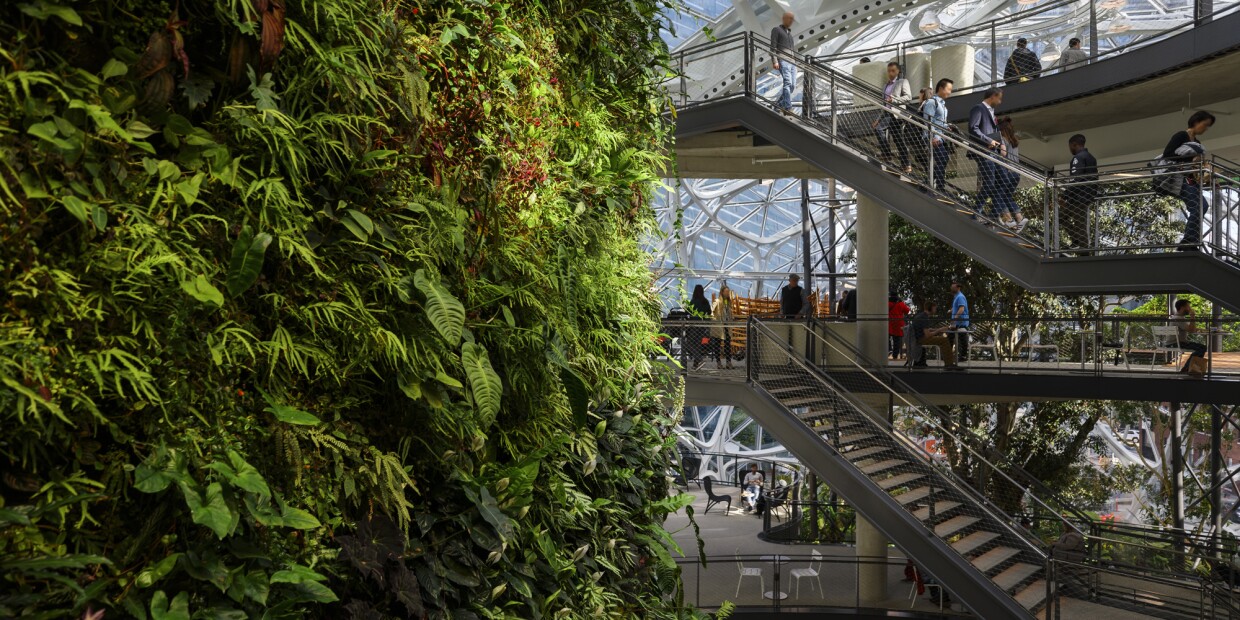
[994,55]
[684,85]
[1052,219]
[806,89]
[751,356]
[835,113]
[1093,30]
[748,64]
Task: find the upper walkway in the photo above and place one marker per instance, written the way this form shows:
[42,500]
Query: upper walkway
[1082,236]
[1022,360]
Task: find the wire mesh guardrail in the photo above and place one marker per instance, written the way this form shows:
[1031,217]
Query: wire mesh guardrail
[895,463]
[1085,211]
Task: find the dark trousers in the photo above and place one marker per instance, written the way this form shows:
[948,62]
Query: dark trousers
[987,188]
[1198,349]
[962,345]
[723,346]
[896,342]
[1074,207]
[888,131]
[1191,195]
[941,158]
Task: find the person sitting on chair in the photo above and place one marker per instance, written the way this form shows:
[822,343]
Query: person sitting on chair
[926,335]
[753,487]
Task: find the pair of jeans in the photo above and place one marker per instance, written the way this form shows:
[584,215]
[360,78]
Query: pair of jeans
[1191,195]
[941,158]
[1005,190]
[788,74]
[753,491]
[888,130]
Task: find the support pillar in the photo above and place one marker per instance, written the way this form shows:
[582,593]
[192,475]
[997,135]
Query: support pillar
[872,576]
[872,279]
[1177,482]
[1216,474]
[831,266]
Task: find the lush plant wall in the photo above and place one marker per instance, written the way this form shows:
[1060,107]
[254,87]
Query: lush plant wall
[330,308]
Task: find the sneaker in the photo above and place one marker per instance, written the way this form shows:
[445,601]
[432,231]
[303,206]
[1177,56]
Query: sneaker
[1020,225]
[1010,225]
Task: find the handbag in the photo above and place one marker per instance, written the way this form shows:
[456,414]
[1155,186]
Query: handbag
[1197,366]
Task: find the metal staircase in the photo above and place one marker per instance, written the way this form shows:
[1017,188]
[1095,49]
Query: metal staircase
[1078,240]
[969,545]
[880,446]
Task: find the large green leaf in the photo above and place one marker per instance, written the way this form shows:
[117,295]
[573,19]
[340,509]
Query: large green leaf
[200,288]
[78,207]
[445,311]
[490,511]
[211,511]
[293,415]
[484,383]
[578,396]
[245,476]
[156,571]
[247,260]
[298,519]
[177,610]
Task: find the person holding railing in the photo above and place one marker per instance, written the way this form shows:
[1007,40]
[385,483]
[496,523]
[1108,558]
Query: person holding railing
[984,130]
[1072,57]
[1077,199]
[1023,65]
[1185,148]
[896,93]
[935,111]
[783,43]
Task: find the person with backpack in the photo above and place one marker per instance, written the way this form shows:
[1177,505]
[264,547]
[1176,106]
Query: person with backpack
[1184,149]
[1023,65]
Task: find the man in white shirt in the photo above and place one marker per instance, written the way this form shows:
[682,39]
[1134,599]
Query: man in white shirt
[897,93]
[753,486]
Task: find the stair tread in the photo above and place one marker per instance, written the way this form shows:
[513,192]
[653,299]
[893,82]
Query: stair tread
[895,481]
[829,426]
[1032,595]
[882,465]
[857,455]
[854,438]
[953,525]
[973,541]
[939,509]
[1017,573]
[994,558]
[804,400]
[785,390]
[913,495]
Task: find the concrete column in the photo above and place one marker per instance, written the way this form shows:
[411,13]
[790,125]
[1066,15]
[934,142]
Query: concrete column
[871,578]
[872,280]
[872,285]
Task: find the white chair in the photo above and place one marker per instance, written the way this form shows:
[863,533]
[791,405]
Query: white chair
[814,569]
[1167,342]
[1029,348]
[748,572]
[1120,348]
[992,346]
[912,595]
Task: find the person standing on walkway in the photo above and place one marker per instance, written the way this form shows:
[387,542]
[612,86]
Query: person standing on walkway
[721,336]
[1185,148]
[1072,57]
[935,111]
[791,298]
[1077,199]
[783,44]
[960,322]
[897,310]
[1023,65]
[984,130]
[698,337]
[897,93]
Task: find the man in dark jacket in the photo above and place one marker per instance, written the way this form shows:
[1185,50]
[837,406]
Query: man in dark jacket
[1077,199]
[791,298]
[1022,65]
[984,130]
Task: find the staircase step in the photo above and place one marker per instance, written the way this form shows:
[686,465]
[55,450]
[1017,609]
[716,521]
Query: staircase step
[854,438]
[914,495]
[857,455]
[883,465]
[994,557]
[1014,575]
[826,427]
[786,390]
[953,525]
[939,509]
[805,400]
[1032,595]
[967,544]
[900,480]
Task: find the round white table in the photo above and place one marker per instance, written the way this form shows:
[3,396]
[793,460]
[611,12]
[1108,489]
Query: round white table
[777,561]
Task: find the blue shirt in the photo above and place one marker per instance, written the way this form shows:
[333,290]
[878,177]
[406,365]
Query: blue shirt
[960,302]
[935,109]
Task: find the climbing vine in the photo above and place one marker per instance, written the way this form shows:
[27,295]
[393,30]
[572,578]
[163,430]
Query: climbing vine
[331,308]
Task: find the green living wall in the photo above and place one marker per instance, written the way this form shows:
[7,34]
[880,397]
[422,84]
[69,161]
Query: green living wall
[330,308]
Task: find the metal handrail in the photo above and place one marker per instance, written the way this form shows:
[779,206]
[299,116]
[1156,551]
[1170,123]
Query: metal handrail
[1002,519]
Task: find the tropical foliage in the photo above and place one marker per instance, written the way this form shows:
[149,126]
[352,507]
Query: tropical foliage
[330,308]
